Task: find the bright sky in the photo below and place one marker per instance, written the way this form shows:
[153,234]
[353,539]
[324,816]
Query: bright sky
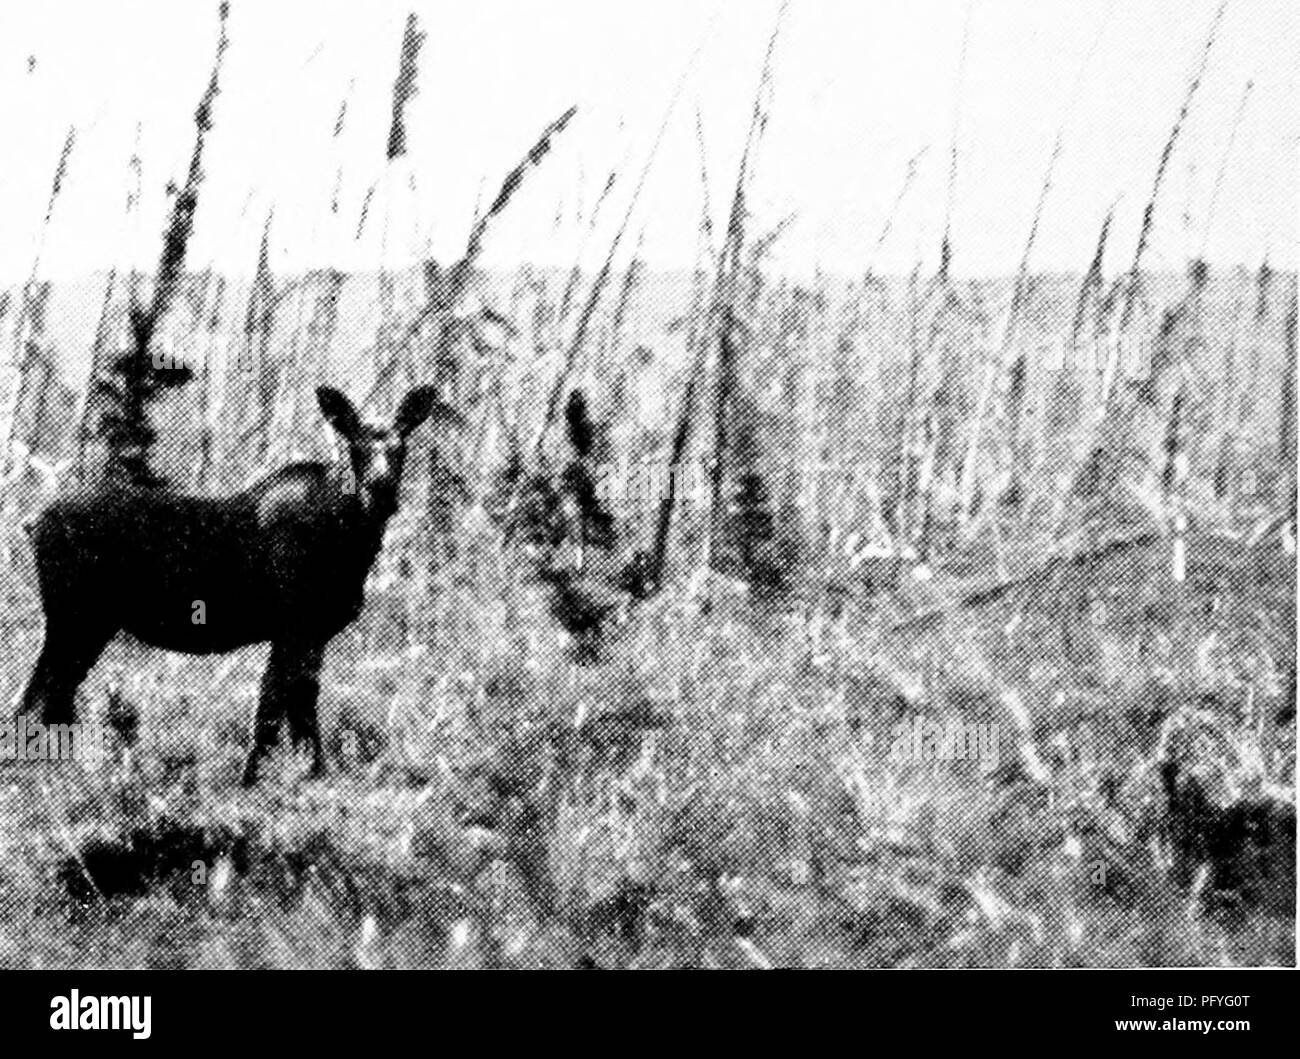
[859,89]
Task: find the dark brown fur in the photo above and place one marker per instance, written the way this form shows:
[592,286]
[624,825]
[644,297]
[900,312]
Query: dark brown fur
[283,561]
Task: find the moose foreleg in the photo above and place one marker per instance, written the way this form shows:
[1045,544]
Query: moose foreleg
[290,687]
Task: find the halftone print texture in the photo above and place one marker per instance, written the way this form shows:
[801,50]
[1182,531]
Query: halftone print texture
[574,484]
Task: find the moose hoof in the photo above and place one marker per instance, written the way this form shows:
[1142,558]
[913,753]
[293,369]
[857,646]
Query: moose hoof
[250,770]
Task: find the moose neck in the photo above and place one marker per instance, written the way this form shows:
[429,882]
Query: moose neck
[370,527]
[364,525]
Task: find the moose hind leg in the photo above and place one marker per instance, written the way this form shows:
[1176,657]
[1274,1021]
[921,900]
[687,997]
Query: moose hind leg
[290,687]
[65,659]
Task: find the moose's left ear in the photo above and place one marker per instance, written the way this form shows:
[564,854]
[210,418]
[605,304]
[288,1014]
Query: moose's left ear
[419,405]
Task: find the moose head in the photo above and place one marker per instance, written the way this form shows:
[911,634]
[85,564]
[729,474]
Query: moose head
[377,450]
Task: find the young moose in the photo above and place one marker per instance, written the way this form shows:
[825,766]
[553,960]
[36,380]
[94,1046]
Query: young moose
[285,561]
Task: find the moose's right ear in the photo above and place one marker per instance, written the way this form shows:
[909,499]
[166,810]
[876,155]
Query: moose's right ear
[339,412]
[421,404]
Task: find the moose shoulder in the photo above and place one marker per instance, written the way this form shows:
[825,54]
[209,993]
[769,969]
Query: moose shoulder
[283,561]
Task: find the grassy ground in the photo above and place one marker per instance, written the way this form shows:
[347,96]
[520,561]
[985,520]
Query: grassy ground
[718,791]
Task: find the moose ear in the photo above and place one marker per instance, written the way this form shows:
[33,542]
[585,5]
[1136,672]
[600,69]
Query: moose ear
[338,411]
[420,404]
